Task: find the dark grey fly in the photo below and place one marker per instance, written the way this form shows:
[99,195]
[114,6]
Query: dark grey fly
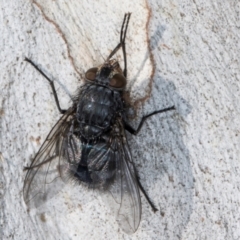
[89,144]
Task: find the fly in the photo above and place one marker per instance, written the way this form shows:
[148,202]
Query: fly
[88,144]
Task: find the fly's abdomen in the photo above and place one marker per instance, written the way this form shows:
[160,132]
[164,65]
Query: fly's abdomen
[96,110]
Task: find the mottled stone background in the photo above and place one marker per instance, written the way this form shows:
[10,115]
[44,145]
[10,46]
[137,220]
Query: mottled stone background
[184,53]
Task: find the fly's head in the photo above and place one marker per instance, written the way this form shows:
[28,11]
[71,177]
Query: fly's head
[108,74]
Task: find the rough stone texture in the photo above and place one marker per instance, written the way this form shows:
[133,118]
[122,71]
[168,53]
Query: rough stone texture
[180,52]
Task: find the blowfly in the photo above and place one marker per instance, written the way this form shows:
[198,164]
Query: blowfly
[88,144]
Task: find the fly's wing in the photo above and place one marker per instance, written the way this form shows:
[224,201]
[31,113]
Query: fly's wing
[125,190]
[43,178]
[112,162]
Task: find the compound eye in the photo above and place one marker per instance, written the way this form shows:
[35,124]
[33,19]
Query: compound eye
[118,81]
[91,74]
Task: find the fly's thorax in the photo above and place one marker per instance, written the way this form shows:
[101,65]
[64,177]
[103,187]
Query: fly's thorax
[97,109]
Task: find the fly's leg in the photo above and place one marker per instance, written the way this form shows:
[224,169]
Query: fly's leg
[143,191]
[39,165]
[135,132]
[122,42]
[51,84]
[122,38]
